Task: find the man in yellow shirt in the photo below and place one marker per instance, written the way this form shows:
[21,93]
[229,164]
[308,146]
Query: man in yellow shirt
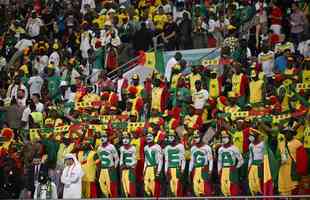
[257,88]
[160,19]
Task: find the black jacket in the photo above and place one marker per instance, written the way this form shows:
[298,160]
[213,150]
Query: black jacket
[31,176]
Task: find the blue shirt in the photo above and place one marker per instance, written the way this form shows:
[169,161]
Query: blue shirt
[281,63]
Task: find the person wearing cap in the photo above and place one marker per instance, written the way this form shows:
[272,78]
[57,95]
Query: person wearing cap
[152,166]
[72,178]
[87,157]
[228,164]
[257,89]
[200,166]
[174,154]
[293,162]
[255,164]
[108,162]
[214,85]
[128,162]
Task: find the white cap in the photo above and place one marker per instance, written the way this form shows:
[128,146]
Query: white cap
[122,7]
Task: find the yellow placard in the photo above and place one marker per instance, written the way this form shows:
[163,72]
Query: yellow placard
[132,126]
[302,86]
[207,62]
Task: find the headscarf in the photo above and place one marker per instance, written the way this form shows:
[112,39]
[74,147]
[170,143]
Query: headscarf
[76,166]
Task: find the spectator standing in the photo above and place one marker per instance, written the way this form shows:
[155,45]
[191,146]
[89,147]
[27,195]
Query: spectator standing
[276,18]
[297,22]
[33,172]
[35,82]
[142,40]
[72,178]
[185,32]
[34,25]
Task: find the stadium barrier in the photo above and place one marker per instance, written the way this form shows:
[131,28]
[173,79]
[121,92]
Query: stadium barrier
[295,197]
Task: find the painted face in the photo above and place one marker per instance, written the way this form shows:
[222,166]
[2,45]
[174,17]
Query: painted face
[225,140]
[104,139]
[126,140]
[149,138]
[171,138]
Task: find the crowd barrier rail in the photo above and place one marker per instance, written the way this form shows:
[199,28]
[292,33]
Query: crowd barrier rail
[211,197]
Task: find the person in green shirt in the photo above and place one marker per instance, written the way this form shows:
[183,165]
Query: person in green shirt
[53,83]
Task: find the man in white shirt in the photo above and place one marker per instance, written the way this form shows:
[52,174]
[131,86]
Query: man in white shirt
[41,62]
[14,87]
[171,63]
[35,82]
[200,96]
[34,25]
[266,59]
[36,100]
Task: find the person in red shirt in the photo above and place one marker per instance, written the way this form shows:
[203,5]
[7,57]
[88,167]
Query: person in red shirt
[276,18]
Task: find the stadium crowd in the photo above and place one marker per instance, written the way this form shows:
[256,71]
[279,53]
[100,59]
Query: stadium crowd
[239,126]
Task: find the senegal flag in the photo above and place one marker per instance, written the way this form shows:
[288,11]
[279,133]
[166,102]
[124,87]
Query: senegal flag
[153,60]
[270,171]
